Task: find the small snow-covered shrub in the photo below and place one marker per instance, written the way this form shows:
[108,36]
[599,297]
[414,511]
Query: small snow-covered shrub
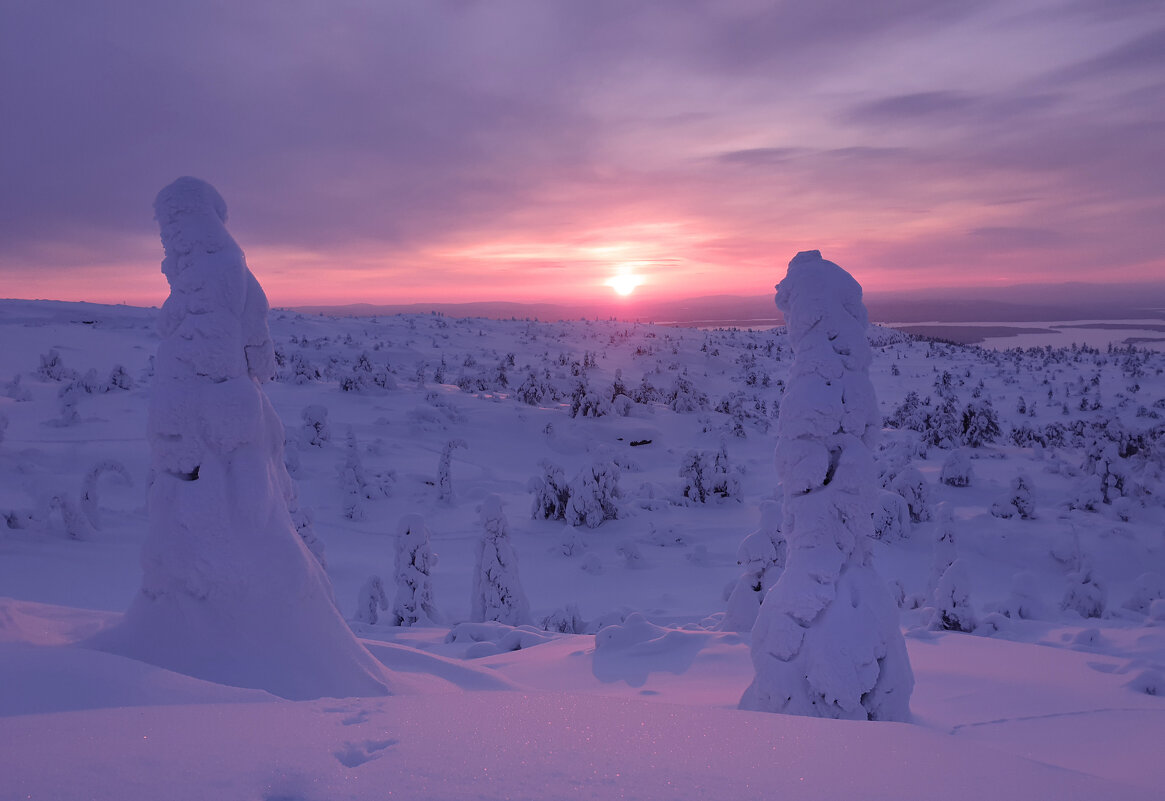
[912,486]
[551,493]
[891,517]
[1147,588]
[315,425]
[952,600]
[119,379]
[956,469]
[762,558]
[565,620]
[1018,500]
[980,424]
[89,487]
[1085,595]
[594,495]
[707,474]
[371,600]
[685,396]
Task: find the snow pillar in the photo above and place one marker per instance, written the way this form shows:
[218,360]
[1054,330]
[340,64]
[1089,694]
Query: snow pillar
[230,592]
[826,640]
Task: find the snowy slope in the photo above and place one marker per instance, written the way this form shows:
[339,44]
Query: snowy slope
[1039,702]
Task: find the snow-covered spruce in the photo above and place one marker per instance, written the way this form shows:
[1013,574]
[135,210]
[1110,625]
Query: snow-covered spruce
[762,556]
[826,640]
[89,487]
[445,492]
[316,430]
[413,604]
[371,600]
[952,600]
[956,469]
[497,589]
[594,495]
[229,591]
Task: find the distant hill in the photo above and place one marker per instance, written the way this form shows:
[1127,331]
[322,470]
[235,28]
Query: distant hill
[1019,303]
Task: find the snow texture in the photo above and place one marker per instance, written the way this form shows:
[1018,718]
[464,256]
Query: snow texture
[826,640]
[229,591]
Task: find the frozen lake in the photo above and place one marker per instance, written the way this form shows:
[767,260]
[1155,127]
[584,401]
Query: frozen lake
[1145,333]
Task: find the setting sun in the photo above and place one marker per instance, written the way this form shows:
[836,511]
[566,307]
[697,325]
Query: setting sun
[624,282]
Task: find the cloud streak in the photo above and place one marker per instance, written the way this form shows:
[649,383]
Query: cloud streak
[461,151]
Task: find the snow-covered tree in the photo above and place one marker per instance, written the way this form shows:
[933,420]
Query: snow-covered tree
[944,550]
[497,590]
[316,430]
[762,557]
[444,470]
[914,489]
[1084,595]
[89,487]
[16,390]
[415,561]
[551,493]
[956,470]
[980,424]
[826,640]
[229,592]
[371,600]
[594,495]
[1017,500]
[891,517]
[119,378]
[952,600]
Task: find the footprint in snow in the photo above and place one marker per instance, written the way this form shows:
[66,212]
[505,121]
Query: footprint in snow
[355,754]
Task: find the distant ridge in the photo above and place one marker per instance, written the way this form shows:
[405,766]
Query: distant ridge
[1018,303]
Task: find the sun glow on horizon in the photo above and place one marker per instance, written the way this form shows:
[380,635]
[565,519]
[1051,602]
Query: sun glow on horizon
[625,281]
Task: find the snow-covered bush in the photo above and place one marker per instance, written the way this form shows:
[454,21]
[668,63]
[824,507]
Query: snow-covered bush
[684,395]
[594,495]
[76,524]
[1084,595]
[119,379]
[89,487]
[826,640]
[914,489]
[53,369]
[413,604]
[1018,500]
[956,469]
[980,424]
[707,474]
[316,430]
[219,491]
[497,590]
[565,620]
[891,517]
[1148,588]
[371,600]
[357,484]
[952,600]
[17,391]
[762,558]
[551,493]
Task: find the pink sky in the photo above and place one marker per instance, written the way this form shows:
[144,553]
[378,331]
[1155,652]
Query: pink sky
[529,151]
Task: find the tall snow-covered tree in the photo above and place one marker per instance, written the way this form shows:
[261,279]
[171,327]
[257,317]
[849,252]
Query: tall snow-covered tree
[826,640]
[229,591]
[415,561]
[497,590]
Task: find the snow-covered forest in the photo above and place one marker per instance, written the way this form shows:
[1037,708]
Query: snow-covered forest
[553,538]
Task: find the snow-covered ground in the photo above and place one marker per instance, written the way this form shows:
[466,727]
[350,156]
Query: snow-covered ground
[1037,701]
